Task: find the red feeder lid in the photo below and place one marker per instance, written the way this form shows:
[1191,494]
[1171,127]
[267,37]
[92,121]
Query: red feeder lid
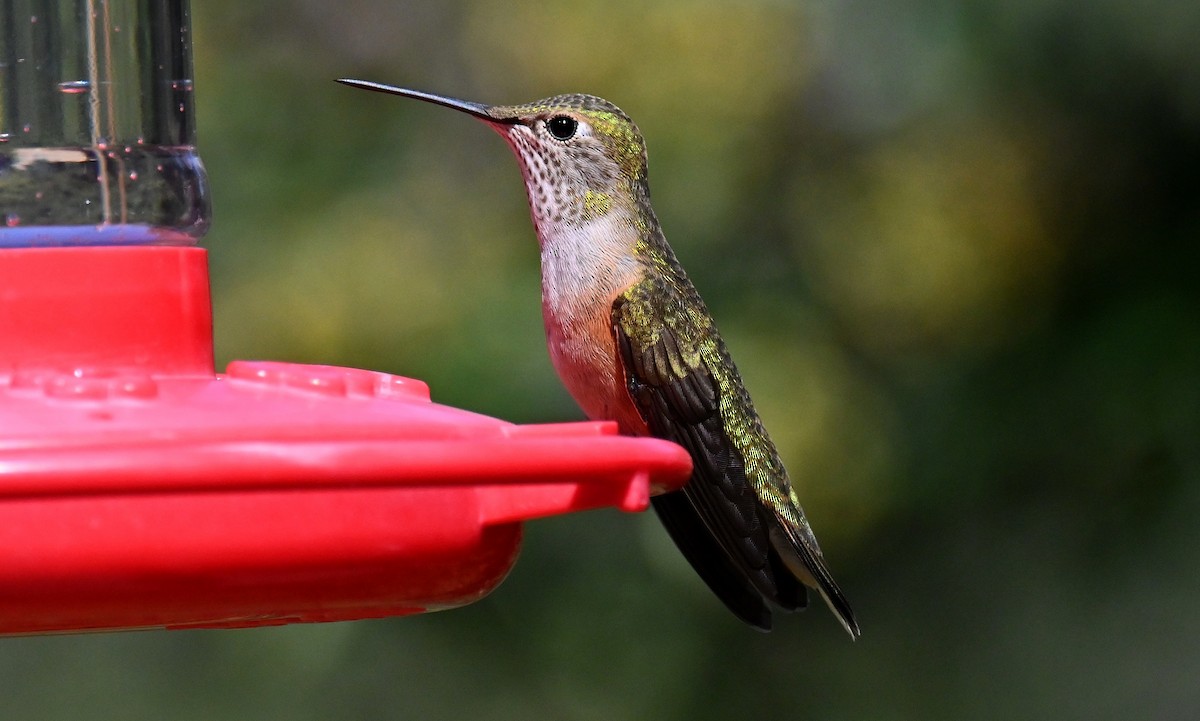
[139,489]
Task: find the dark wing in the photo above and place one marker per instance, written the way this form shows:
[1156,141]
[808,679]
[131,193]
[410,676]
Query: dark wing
[716,519]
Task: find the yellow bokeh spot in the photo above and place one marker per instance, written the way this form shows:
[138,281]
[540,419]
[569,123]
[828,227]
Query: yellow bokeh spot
[936,242]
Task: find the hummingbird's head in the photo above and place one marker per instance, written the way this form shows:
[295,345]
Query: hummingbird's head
[581,156]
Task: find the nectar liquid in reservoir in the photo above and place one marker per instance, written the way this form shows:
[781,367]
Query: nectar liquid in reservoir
[97,124]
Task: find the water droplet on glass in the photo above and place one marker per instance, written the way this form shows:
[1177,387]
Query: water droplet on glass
[74,87]
[12,220]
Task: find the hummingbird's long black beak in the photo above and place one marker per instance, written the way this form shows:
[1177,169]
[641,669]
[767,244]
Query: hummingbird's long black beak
[479,110]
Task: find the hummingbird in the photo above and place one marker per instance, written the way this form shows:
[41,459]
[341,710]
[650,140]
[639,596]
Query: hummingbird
[634,343]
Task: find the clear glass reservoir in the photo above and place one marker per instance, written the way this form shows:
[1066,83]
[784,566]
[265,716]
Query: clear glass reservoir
[97,124]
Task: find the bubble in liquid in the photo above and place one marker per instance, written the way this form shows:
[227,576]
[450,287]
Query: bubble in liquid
[74,87]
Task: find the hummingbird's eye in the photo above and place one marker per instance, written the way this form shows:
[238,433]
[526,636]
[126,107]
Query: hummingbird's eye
[562,127]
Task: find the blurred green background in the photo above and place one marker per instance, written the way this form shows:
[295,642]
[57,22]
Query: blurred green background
[953,247]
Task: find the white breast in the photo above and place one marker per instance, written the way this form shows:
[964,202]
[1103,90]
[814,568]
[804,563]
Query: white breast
[584,267]
[586,263]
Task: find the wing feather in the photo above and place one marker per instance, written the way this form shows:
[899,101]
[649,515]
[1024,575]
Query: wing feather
[718,511]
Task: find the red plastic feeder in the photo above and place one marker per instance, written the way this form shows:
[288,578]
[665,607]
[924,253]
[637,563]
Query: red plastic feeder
[140,489]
